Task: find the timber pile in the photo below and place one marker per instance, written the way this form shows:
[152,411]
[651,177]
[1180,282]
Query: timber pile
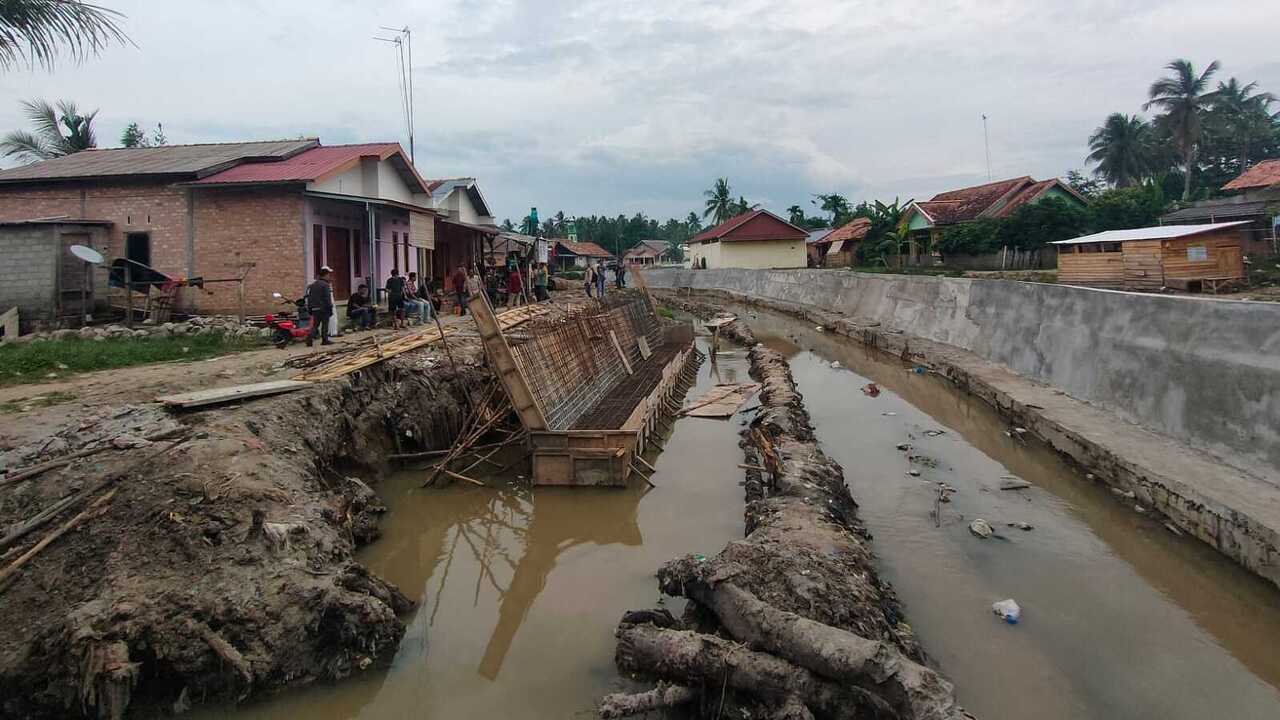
[484,417]
[792,621]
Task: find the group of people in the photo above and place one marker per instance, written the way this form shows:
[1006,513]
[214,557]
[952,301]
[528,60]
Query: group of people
[595,277]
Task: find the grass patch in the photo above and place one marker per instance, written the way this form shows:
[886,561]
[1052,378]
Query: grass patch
[36,361]
[38,401]
[909,270]
[666,312]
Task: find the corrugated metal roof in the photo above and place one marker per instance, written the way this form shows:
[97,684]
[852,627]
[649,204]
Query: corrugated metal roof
[1163,232]
[1264,174]
[306,166]
[1217,210]
[816,236]
[195,160]
[728,226]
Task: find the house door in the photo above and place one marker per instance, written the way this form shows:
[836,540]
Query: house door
[338,255]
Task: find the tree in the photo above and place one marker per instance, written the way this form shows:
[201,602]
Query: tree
[1241,116]
[58,131]
[1184,98]
[1123,149]
[1089,187]
[133,137]
[719,203]
[1131,207]
[837,205]
[508,225]
[888,231]
[693,222]
[795,214]
[740,206]
[37,31]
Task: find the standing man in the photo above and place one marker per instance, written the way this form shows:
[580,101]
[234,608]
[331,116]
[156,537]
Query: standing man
[601,280]
[319,298]
[589,277]
[540,279]
[515,287]
[620,275]
[395,299]
[459,280]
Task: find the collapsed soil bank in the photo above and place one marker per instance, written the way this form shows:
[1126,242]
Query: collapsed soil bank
[792,621]
[1235,513]
[223,564]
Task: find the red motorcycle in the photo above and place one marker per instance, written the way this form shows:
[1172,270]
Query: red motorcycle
[286,326]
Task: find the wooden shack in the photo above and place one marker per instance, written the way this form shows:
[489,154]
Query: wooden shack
[1186,257]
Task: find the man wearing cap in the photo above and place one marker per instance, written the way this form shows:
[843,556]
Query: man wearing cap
[319,297]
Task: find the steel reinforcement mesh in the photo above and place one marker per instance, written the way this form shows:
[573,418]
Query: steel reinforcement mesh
[571,362]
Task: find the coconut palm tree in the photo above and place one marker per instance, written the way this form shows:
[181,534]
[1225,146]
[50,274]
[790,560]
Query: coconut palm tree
[719,201]
[37,31]
[795,214]
[49,139]
[1184,98]
[1122,148]
[1243,115]
[694,222]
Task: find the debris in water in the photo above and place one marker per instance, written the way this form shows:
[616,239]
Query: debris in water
[871,390]
[1173,529]
[1021,525]
[919,369]
[981,528]
[889,414]
[1129,494]
[935,433]
[913,473]
[835,363]
[1008,610]
[819,328]
[1139,508]
[904,447]
[1014,484]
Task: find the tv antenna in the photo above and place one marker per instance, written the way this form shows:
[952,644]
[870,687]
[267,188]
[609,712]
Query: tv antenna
[402,39]
[986,140]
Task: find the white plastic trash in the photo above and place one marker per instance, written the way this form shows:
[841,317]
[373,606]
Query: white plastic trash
[1008,610]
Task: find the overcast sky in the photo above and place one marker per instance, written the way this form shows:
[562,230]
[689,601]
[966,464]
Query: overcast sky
[614,107]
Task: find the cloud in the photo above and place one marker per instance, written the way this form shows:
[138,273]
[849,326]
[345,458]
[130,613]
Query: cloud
[612,107]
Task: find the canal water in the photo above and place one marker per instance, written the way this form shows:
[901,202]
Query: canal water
[519,591]
[1121,618]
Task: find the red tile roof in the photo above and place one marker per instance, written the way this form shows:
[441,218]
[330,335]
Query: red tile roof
[308,166]
[724,229]
[1264,174]
[647,248]
[584,249]
[996,199]
[855,230]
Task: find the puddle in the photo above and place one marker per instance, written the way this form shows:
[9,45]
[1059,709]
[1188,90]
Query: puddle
[520,590]
[1120,617]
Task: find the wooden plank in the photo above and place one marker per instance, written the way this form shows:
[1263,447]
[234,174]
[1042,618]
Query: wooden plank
[621,355]
[201,398]
[532,415]
[643,345]
[721,401]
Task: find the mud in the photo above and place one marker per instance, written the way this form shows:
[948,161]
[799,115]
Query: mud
[818,634]
[223,566]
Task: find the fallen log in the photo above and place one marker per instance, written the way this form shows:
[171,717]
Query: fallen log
[692,658]
[664,696]
[98,507]
[914,691]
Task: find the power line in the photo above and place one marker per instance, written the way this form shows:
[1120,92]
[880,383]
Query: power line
[403,40]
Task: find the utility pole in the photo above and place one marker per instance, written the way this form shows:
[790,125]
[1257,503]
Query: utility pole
[402,38]
[986,140]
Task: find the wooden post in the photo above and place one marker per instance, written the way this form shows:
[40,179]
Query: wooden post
[128,292]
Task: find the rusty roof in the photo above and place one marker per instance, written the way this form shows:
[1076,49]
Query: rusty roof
[1264,174]
[189,160]
[996,199]
[584,248]
[854,230]
[647,248]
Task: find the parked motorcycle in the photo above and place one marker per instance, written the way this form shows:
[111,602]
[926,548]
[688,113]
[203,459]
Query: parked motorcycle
[287,326]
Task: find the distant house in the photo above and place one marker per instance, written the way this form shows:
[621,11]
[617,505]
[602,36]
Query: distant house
[1257,190]
[280,209]
[648,252]
[926,219]
[837,248]
[813,248]
[569,255]
[1186,257]
[505,244]
[1260,182]
[754,239]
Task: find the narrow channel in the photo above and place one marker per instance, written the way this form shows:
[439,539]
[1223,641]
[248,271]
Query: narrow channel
[519,590]
[1121,618]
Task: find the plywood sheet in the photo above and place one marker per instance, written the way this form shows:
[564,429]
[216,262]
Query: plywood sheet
[721,401]
[230,394]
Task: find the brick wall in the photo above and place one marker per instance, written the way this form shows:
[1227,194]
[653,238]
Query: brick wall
[259,226]
[28,273]
[233,226]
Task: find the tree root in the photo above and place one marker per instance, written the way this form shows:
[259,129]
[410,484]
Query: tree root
[664,696]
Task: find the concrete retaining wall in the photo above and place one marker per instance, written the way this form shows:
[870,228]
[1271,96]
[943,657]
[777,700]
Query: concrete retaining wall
[1201,370]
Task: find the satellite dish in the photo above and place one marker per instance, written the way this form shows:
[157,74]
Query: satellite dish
[87,254]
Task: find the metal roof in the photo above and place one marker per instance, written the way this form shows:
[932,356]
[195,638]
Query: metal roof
[57,221]
[1217,210]
[197,160]
[1164,232]
[440,189]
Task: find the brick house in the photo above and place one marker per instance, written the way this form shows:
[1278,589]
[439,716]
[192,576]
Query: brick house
[754,239]
[279,209]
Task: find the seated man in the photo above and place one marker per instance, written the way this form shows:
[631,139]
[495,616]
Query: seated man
[414,301]
[359,310]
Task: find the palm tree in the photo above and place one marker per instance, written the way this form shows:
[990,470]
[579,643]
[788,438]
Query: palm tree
[1122,148]
[741,206]
[1244,115]
[694,222]
[719,201]
[836,204]
[1184,99]
[49,140]
[37,31]
[795,214]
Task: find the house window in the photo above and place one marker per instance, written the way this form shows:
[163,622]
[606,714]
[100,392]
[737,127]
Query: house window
[137,248]
[317,246]
[1112,247]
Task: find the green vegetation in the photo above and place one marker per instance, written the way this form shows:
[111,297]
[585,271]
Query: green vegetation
[38,401]
[134,137]
[35,32]
[666,312]
[719,205]
[35,361]
[49,139]
[1027,228]
[937,270]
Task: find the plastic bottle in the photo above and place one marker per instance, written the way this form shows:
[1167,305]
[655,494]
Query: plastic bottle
[1007,610]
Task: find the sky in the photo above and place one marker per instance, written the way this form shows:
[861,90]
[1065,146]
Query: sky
[618,107]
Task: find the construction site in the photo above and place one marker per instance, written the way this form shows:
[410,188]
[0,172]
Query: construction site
[684,499]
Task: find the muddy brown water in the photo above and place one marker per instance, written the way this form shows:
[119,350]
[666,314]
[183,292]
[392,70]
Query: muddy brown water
[520,590]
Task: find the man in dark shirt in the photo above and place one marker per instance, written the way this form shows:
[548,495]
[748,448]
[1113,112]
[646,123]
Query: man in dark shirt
[395,298]
[460,288]
[359,309]
[319,297]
